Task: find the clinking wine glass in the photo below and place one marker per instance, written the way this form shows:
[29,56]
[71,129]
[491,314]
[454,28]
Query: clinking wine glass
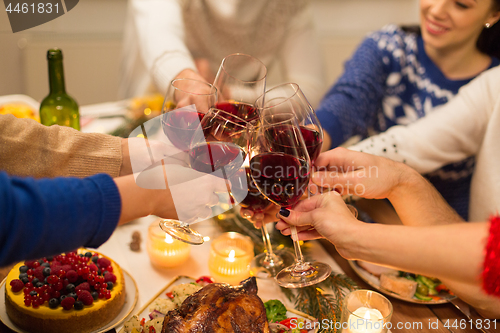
[184,106]
[219,147]
[240,80]
[280,166]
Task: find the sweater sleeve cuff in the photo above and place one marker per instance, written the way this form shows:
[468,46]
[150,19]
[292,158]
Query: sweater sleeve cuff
[111,209]
[331,125]
[491,272]
[168,66]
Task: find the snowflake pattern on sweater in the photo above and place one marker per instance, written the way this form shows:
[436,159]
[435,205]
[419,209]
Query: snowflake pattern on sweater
[390,81]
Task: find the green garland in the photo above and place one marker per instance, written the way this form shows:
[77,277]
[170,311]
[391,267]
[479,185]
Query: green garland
[322,301]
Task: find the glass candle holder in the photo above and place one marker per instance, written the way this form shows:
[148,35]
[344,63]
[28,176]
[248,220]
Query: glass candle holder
[163,250]
[366,311]
[230,256]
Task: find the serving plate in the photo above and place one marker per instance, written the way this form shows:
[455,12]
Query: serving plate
[131,297]
[143,312]
[374,282]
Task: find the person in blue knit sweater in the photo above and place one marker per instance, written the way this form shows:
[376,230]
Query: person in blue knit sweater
[42,217]
[398,75]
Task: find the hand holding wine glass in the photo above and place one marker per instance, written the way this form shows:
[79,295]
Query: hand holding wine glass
[281,167]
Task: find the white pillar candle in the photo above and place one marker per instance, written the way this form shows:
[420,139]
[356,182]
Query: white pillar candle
[365,320]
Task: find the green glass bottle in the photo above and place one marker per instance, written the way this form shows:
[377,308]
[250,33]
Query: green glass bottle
[58,108]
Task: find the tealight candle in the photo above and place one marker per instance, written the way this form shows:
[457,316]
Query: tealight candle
[230,256]
[163,250]
[366,311]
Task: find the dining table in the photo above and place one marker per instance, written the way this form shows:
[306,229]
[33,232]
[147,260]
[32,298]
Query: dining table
[148,279]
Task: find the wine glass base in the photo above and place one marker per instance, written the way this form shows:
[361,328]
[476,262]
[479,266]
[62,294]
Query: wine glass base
[181,232]
[265,268]
[291,277]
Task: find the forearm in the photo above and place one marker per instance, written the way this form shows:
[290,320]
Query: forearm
[453,252]
[417,202]
[31,149]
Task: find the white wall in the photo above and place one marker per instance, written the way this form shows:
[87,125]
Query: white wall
[90,36]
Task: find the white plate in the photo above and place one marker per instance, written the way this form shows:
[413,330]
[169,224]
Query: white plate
[22,99]
[131,296]
[374,281]
[144,311]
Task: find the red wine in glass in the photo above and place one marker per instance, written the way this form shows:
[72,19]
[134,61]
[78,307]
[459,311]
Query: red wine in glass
[244,111]
[281,177]
[313,142]
[254,199]
[180,126]
[212,156]
[280,141]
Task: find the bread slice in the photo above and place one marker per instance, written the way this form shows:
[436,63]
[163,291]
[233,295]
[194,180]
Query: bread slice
[399,285]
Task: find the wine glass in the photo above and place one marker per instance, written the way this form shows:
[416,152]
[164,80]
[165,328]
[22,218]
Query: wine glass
[280,166]
[185,104]
[240,80]
[219,147]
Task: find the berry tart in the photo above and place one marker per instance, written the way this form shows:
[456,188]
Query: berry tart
[73,292]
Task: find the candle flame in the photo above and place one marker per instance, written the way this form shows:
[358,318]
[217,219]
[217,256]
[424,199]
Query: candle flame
[367,315]
[206,238]
[168,239]
[231,256]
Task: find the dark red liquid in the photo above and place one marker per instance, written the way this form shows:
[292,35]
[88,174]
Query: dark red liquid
[281,140]
[280,177]
[244,111]
[313,142]
[180,126]
[254,199]
[212,156]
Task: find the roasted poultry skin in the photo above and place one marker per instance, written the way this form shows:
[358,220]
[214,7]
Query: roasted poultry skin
[220,308]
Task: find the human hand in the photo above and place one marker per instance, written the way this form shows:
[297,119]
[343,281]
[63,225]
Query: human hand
[324,215]
[191,92]
[354,173]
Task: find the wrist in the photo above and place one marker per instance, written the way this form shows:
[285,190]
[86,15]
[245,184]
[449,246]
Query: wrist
[407,180]
[126,166]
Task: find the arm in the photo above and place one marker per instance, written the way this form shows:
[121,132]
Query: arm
[302,59]
[451,133]
[350,106]
[456,255]
[160,30]
[30,149]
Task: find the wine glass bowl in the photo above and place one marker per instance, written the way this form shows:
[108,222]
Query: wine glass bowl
[185,104]
[240,80]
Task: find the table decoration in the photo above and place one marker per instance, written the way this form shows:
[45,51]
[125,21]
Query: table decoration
[366,311]
[230,255]
[163,250]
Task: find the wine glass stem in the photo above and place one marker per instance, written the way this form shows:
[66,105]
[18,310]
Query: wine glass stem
[296,245]
[267,242]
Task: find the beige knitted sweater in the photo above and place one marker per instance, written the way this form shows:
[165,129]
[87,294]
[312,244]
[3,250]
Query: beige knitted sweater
[30,149]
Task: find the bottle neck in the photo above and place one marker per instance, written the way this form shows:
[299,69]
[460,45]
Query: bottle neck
[56,77]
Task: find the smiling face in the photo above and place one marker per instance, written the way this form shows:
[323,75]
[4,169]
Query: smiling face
[451,24]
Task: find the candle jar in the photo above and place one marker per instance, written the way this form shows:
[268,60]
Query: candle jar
[230,256]
[163,250]
[366,311]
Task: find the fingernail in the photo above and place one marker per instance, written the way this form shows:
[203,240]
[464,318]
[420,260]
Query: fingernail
[284,212]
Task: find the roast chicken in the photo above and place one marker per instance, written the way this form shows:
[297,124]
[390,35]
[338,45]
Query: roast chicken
[220,308]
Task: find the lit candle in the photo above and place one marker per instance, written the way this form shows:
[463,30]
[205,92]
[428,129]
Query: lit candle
[165,251]
[365,320]
[230,256]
